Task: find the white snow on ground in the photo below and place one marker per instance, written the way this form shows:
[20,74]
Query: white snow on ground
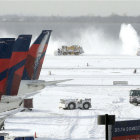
[94,81]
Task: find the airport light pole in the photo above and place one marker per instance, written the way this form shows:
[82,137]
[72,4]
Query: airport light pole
[106,120]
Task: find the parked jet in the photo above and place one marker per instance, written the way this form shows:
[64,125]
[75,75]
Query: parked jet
[12,61]
[23,60]
[7,45]
[33,65]
[25,65]
[6,48]
[12,72]
[28,84]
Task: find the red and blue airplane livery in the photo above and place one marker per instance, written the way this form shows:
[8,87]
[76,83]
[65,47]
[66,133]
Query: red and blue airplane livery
[36,56]
[5,55]
[17,63]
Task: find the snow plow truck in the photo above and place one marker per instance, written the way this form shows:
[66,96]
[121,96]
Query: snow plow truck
[69,50]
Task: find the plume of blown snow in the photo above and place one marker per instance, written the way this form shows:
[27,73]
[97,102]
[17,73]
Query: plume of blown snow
[54,45]
[98,43]
[129,39]
[92,40]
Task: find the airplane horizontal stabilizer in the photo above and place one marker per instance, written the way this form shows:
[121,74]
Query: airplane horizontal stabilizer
[48,83]
[34,84]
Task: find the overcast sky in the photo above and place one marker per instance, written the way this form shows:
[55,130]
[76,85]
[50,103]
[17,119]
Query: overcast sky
[70,7]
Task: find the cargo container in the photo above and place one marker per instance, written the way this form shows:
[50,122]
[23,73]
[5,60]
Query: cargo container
[28,103]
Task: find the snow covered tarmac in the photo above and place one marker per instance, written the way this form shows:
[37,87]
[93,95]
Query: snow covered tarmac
[93,81]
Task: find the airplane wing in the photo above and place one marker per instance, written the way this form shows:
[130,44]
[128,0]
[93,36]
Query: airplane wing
[6,114]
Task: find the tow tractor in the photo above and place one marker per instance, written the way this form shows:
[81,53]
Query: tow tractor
[75,103]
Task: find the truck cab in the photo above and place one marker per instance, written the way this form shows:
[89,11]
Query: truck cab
[134,97]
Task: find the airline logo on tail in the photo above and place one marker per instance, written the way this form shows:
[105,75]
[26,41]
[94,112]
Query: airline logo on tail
[5,55]
[36,56]
[17,63]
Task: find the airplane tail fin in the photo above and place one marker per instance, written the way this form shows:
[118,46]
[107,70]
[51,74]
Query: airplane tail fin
[35,56]
[40,59]
[5,55]
[17,63]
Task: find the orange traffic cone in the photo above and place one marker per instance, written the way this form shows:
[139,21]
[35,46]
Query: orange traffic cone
[35,135]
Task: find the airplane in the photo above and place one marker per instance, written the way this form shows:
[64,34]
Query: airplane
[12,62]
[8,54]
[33,66]
[11,73]
[24,67]
[21,73]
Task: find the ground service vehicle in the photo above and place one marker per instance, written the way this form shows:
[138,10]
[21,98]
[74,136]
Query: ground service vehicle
[135,97]
[69,50]
[75,103]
